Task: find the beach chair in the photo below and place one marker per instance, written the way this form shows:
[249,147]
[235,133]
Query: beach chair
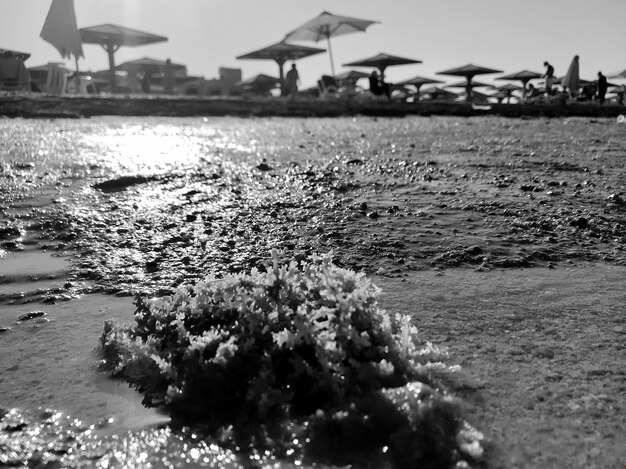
[13,75]
[327,86]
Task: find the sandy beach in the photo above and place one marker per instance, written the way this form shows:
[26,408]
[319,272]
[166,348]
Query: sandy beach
[503,238]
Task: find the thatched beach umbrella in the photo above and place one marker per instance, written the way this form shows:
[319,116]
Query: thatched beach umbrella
[325,26]
[111,37]
[524,76]
[621,74]
[382,61]
[469,71]
[508,89]
[14,54]
[439,93]
[418,82]
[349,78]
[351,75]
[473,84]
[280,53]
[260,84]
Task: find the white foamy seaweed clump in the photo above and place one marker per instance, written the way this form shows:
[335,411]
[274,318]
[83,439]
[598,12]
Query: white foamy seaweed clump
[298,361]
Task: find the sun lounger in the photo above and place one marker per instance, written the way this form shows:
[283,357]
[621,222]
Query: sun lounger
[327,86]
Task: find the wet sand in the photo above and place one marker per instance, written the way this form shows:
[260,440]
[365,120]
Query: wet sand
[505,237]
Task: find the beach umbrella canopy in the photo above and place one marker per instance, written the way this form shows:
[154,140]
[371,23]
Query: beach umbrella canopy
[280,53]
[325,26]
[418,82]
[111,37]
[382,61]
[352,75]
[260,79]
[524,76]
[581,81]
[469,71]
[506,91]
[462,84]
[14,54]
[60,29]
[621,74]
[435,93]
[260,83]
[150,64]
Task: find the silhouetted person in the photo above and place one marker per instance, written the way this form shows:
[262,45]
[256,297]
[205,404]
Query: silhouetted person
[602,87]
[549,76]
[377,86]
[292,81]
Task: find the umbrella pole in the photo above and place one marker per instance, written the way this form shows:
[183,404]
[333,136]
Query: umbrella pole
[110,48]
[281,75]
[330,53]
[77,75]
[468,89]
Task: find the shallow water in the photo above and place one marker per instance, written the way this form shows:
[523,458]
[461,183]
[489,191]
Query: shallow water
[217,194]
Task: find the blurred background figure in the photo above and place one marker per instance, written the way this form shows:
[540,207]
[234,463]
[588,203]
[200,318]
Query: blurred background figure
[292,81]
[602,87]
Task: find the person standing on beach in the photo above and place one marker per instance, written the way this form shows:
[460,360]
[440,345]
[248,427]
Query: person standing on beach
[602,86]
[292,81]
[549,76]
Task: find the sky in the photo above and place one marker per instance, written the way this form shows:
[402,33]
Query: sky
[509,35]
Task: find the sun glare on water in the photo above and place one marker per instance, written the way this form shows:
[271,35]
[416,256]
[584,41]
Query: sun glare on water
[143,149]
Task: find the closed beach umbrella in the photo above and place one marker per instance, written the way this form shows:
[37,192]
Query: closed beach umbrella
[325,26]
[571,80]
[111,37]
[469,71]
[382,61]
[418,82]
[149,64]
[280,53]
[61,31]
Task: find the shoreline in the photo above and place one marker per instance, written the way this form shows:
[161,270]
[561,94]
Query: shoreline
[47,106]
